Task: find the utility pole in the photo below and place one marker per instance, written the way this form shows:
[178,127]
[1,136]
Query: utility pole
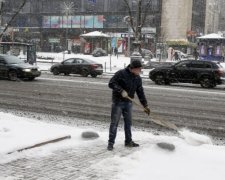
[1,9]
[68,9]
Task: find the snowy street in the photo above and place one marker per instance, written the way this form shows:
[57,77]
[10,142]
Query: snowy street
[90,98]
[112,90]
[53,106]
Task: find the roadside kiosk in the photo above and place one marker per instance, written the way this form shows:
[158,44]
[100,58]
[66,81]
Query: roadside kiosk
[211,47]
[24,51]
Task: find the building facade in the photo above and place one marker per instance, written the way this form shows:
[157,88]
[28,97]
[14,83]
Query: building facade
[53,23]
[183,19]
[222,16]
[212,16]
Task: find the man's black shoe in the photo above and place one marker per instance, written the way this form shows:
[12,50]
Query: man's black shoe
[110,147]
[131,144]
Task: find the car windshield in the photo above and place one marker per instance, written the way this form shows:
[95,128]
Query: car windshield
[13,60]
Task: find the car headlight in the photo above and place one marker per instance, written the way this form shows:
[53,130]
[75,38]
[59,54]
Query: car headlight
[27,70]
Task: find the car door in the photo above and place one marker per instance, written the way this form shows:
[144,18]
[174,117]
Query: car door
[197,68]
[67,66]
[79,65]
[3,67]
[182,71]
[75,66]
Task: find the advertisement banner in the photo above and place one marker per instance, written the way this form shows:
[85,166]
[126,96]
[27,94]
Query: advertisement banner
[46,23]
[73,21]
[89,22]
[66,21]
[76,21]
[55,21]
[98,21]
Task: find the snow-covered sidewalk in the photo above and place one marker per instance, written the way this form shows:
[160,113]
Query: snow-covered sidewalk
[205,162]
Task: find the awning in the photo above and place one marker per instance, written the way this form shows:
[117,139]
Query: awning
[211,36]
[95,34]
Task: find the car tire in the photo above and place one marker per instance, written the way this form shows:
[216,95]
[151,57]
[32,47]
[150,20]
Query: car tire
[55,71]
[84,73]
[206,82]
[94,75]
[12,75]
[66,74]
[159,79]
[31,78]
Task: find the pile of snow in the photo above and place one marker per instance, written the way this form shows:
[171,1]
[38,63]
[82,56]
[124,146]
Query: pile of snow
[147,162]
[106,61]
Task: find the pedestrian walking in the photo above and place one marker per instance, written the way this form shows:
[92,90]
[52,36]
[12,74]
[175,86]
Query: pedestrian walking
[195,54]
[176,56]
[116,51]
[124,83]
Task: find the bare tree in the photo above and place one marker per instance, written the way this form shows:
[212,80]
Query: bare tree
[140,17]
[13,17]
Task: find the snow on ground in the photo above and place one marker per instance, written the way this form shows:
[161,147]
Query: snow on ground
[116,62]
[205,162]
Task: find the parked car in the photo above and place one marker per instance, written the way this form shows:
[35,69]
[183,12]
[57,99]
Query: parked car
[81,66]
[14,68]
[181,54]
[146,52]
[206,73]
[99,52]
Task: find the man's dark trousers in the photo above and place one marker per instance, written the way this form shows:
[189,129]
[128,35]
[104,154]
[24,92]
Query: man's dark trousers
[121,108]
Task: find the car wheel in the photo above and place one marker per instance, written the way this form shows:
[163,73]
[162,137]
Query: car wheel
[55,71]
[159,79]
[206,82]
[12,75]
[66,74]
[94,75]
[84,73]
[31,78]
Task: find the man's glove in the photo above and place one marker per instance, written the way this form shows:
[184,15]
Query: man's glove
[147,110]
[124,94]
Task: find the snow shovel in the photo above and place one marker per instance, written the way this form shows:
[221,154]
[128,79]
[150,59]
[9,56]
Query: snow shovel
[156,120]
[190,137]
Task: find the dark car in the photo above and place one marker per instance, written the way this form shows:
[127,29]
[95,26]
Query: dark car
[81,66]
[14,68]
[206,73]
[99,52]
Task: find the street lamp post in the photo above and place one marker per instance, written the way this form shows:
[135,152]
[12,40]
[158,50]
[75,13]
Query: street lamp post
[68,8]
[127,21]
[128,41]
[1,8]
[66,42]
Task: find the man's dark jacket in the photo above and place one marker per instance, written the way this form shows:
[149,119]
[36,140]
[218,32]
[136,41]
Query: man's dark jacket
[125,80]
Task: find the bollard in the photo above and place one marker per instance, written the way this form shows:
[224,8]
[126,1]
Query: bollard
[105,66]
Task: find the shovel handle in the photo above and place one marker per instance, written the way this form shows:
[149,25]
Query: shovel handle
[156,119]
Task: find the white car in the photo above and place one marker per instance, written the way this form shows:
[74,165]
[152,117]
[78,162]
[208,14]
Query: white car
[181,54]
